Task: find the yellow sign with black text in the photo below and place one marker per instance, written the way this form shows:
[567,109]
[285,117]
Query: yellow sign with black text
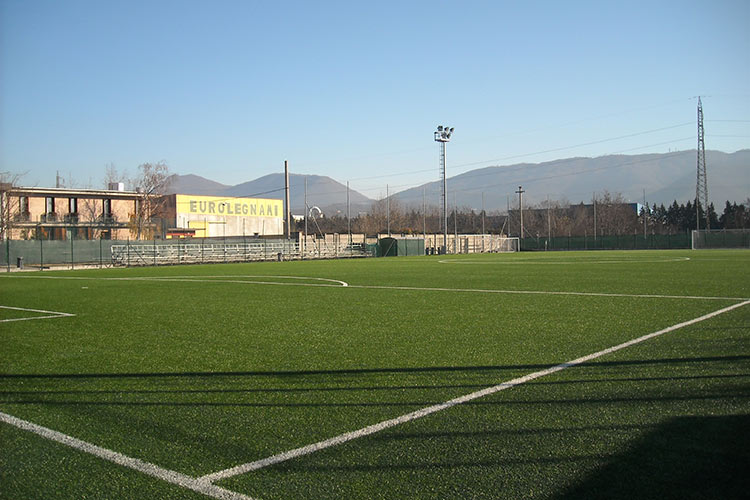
[235,207]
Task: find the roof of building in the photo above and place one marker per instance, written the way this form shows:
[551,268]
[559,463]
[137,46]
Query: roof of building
[73,193]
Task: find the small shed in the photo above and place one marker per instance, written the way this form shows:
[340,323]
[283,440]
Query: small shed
[398,247]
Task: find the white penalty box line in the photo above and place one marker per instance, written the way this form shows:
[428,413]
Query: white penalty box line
[149,469]
[386,424]
[47,314]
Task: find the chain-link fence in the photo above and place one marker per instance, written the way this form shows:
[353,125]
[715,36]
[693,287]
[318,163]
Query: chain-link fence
[617,242]
[41,254]
[721,238]
[71,254]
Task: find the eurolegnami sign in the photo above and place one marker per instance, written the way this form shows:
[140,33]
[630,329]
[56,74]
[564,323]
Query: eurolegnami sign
[228,207]
[222,216]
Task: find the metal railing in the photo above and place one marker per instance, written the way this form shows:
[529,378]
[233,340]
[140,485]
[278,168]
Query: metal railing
[207,251]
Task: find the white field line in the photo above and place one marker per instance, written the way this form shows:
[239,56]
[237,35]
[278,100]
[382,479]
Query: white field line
[167,475]
[553,262]
[199,279]
[342,284]
[547,292]
[372,429]
[48,314]
[224,280]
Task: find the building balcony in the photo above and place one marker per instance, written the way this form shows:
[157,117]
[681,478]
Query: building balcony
[107,220]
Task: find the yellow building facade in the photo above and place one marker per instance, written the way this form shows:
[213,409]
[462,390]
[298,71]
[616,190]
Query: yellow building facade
[217,216]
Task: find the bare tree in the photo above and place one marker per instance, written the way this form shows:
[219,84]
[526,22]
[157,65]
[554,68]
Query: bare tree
[112,176]
[152,181]
[91,210]
[10,208]
[615,216]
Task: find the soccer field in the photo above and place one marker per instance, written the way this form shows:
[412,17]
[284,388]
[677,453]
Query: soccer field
[546,375]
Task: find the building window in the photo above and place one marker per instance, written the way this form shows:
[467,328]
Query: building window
[107,208]
[73,205]
[50,204]
[23,204]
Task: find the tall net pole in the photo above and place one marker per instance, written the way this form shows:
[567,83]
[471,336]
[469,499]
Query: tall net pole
[520,210]
[348,216]
[701,186]
[288,214]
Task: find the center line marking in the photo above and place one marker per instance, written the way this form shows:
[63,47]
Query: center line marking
[372,429]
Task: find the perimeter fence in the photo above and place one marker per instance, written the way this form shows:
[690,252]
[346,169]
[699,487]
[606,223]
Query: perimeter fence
[615,242]
[74,253]
[721,238]
[71,254]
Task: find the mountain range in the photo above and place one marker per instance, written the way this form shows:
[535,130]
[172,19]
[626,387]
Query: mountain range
[323,192]
[664,177]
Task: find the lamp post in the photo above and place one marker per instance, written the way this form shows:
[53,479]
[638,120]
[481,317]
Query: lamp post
[520,212]
[443,135]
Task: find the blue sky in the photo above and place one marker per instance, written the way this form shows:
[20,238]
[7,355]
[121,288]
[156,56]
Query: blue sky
[354,90]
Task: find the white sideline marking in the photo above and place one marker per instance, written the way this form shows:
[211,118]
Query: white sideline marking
[534,261]
[167,475]
[342,284]
[546,292]
[372,429]
[49,314]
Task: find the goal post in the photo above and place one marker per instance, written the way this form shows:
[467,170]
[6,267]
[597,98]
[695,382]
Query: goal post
[720,238]
[504,245]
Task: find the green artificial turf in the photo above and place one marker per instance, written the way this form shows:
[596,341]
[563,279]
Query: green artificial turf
[212,366]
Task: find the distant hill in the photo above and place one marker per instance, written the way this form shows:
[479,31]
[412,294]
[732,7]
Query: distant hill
[194,184]
[323,192]
[665,177]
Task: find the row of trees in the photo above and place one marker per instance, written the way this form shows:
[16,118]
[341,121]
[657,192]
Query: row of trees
[609,215]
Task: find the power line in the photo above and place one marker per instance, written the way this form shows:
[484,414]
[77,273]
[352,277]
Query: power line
[578,172]
[563,148]
[553,150]
[519,167]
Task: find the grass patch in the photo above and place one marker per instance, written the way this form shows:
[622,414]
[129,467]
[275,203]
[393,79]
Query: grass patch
[201,368]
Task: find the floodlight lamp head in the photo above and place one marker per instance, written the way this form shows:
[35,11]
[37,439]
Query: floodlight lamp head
[451,130]
[440,128]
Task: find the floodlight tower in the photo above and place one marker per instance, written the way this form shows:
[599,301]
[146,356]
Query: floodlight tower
[701,186]
[443,135]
